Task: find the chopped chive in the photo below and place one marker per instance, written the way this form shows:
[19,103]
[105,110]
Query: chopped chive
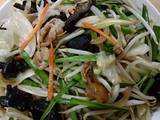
[155,49]
[125,84]
[30,83]
[128,30]
[95,105]
[108,48]
[57,98]
[142,81]
[93,35]
[73,116]
[145,14]
[148,85]
[62,83]
[121,13]
[80,80]
[11,118]
[40,73]
[156,29]
[113,31]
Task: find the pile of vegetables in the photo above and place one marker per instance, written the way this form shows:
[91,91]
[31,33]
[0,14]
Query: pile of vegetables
[73,60]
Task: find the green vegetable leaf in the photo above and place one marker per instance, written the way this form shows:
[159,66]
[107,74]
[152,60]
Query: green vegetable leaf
[57,98]
[108,48]
[40,73]
[155,49]
[11,118]
[93,35]
[145,14]
[73,116]
[29,82]
[148,85]
[95,105]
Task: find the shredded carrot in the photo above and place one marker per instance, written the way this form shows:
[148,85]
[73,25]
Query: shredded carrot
[104,34]
[36,28]
[51,73]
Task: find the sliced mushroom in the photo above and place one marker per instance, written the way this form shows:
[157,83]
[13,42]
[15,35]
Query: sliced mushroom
[94,89]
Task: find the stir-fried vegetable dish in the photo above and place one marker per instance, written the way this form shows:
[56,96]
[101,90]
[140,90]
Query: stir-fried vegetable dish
[78,60]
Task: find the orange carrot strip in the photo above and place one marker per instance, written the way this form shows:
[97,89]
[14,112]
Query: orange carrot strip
[51,73]
[108,37]
[36,28]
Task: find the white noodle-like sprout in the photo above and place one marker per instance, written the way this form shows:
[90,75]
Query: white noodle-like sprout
[97,12]
[132,113]
[139,49]
[105,84]
[98,112]
[148,114]
[131,43]
[71,74]
[35,79]
[144,23]
[124,116]
[115,91]
[67,66]
[134,40]
[22,76]
[150,51]
[33,90]
[75,51]
[41,92]
[79,90]
[143,96]
[135,102]
[124,72]
[89,19]
[65,96]
[63,54]
[118,29]
[75,108]
[148,65]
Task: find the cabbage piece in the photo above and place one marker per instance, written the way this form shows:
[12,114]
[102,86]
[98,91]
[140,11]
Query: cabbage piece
[138,49]
[17,29]
[108,67]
